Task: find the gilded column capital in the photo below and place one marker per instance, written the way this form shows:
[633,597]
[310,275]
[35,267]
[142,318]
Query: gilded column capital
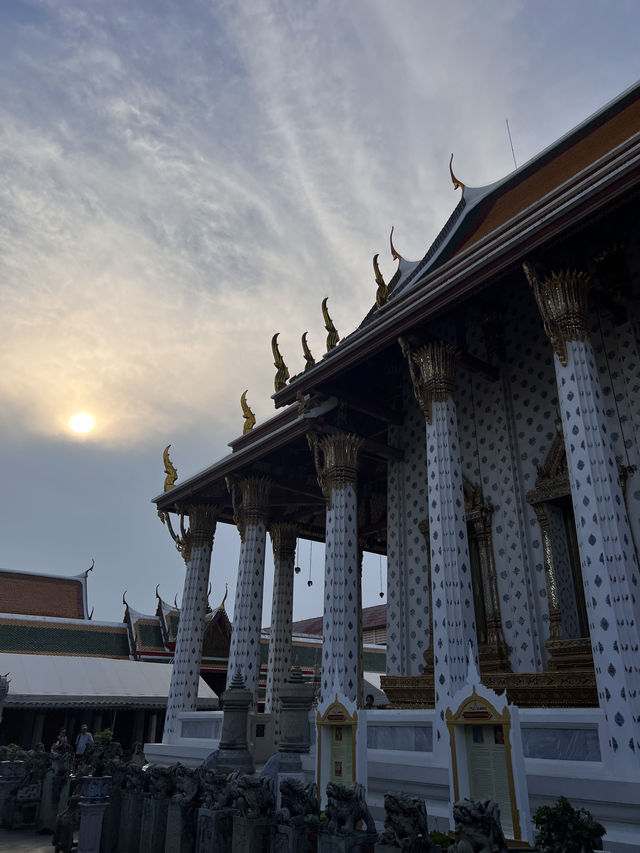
[202,524]
[563,302]
[339,466]
[283,538]
[434,380]
[250,501]
[201,530]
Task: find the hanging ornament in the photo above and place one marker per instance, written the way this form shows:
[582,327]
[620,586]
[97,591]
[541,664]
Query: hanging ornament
[310,582]
[381,593]
[296,568]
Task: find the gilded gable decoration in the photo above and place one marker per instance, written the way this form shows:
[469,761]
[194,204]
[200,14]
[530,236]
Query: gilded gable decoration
[332,332]
[169,470]
[247,414]
[282,371]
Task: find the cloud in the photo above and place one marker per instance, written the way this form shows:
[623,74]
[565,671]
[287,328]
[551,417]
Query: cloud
[179,183]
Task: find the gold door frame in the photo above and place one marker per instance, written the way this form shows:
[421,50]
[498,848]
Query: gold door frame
[468,715]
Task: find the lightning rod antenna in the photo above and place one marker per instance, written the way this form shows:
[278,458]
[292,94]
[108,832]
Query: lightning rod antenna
[513,154]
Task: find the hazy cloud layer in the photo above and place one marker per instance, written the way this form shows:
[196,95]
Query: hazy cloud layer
[179,181]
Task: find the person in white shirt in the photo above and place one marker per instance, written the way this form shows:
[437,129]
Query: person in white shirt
[82,741]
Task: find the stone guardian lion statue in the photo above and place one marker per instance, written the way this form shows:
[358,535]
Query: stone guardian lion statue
[477,827]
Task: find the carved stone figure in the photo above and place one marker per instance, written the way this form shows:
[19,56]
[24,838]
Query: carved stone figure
[159,781]
[186,785]
[254,797]
[477,827]
[345,808]
[298,801]
[216,788]
[137,756]
[67,823]
[406,824]
[134,778]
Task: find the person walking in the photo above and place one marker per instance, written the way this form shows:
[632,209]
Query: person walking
[82,742]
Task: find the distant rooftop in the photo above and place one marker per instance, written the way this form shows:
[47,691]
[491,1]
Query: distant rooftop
[372,617]
[30,593]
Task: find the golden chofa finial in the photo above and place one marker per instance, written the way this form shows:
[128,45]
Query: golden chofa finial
[247,414]
[333,337]
[282,371]
[226,593]
[394,254]
[382,293]
[169,470]
[457,185]
[309,360]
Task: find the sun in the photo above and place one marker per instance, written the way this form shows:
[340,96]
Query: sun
[82,422]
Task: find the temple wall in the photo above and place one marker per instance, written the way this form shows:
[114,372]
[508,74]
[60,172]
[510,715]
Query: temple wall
[408,621]
[489,459]
[507,429]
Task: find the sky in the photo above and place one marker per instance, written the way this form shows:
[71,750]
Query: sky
[179,181]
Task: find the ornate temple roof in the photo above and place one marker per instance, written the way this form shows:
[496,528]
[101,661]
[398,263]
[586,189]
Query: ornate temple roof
[54,636]
[41,680]
[43,595]
[372,617]
[492,228]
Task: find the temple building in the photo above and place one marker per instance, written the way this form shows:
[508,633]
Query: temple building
[67,668]
[481,429]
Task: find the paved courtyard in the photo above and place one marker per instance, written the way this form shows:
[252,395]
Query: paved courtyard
[24,841]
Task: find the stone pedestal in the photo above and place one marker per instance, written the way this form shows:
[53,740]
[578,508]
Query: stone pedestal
[181,828]
[215,830]
[94,801]
[295,838]
[233,753]
[54,799]
[154,824]
[356,841]
[111,821]
[252,834]
[130,822]
[21,807]
[10,773]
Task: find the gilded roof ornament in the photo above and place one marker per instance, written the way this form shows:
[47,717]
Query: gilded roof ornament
[332,337]
[457,185]
[282,371]
[169,470]
[247,414]
[226,593]
[394,254]
[382,293]
[308,358]
[90,569]
[124,600]
[157,592]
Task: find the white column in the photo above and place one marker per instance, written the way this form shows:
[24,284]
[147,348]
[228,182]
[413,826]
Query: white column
[607,555]
[452,593]
[195,546]
[283,539]
[341,640]
[251,517]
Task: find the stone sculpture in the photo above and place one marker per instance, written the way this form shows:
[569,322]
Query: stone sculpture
[477,827]
[346,807]
[406,826]
[299,802]
[66,824]
[216,788]
[215,817]
[254,797]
